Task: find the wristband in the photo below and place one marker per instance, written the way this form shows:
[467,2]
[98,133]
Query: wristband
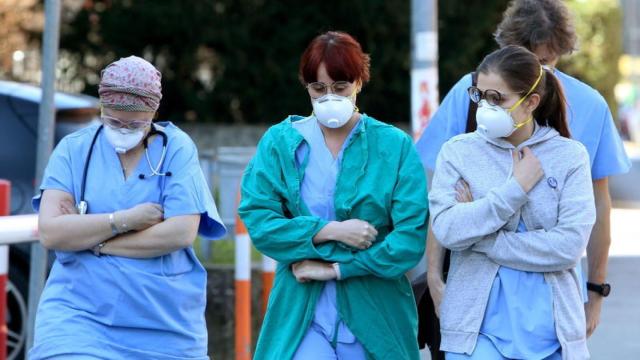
[112,222]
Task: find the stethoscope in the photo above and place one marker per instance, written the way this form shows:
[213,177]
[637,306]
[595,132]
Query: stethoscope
[83,206]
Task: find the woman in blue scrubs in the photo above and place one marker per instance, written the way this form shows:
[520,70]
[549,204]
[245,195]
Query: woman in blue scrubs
[126,283]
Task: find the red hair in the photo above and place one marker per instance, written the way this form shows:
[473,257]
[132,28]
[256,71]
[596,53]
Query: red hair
[341,54]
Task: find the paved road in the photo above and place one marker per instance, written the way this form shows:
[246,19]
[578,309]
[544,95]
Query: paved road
[618,336]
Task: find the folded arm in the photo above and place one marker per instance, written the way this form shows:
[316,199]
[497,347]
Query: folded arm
[61,230]
[287,239]
[403,247]
[161,239]
[458,226]
[558,248]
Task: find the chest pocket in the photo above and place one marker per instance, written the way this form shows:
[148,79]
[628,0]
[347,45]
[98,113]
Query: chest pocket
[544,202]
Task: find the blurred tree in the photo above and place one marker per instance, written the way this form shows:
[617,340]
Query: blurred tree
[465,36]
[599,27]
[237,60]
[20,19]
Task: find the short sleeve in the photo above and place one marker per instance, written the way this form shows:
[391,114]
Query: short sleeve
[449,120]
[610,157]
[186,191]
[57,174]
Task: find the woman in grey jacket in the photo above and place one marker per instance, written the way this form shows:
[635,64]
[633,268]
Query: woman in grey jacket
[514,203]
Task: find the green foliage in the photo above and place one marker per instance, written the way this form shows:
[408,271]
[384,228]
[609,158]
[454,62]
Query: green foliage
[465,37]
[237,60]
[598,24]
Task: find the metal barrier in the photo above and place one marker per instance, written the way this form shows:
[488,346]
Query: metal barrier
[223,170]
[13,230]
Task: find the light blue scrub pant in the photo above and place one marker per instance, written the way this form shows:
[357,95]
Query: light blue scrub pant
[316,345]
[485,350]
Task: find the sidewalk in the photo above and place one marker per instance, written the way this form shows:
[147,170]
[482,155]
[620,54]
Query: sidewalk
[618,336]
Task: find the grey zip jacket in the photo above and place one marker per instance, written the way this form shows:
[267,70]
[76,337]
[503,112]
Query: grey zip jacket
[558,212]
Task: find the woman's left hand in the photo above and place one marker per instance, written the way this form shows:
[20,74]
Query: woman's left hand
[308,270]
[463,192]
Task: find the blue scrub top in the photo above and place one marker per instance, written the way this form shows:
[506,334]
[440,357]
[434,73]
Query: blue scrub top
[317,192]
[123,308]
[519,315]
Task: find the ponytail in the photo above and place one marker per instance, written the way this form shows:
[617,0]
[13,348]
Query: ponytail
[552,110]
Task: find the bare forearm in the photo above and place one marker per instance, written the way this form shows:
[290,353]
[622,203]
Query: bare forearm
[74,232]
[435,256]
[600,240]
[327,233]
[160,239]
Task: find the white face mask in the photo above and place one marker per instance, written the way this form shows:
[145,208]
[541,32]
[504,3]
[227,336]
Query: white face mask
[333,111]
[493,121]
[123,140]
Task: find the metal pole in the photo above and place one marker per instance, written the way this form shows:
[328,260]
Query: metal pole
[424,76]
[50,40]
[424,63]
[5,210]
[243,292]
[268,274]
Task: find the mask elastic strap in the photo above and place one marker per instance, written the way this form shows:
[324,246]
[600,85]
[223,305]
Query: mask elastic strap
[355,107]
[518,126]
[535,84]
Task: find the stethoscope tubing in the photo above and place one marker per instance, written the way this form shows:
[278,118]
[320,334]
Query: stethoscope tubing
[155,171]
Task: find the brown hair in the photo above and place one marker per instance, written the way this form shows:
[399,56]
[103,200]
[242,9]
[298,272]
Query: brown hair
[531,23]
[341,54]
[519,68]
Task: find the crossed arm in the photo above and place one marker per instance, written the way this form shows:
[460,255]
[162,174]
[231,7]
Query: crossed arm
[62,228]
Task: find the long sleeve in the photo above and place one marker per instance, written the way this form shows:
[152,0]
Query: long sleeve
[403,247]
[457,226]
[558,248]
[262,208]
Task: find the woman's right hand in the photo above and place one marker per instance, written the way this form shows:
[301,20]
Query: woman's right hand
[527,170]
[436,290]
[356,233]
[139,217]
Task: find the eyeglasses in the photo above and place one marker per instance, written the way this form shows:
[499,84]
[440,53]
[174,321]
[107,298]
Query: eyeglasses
[493,97]
[121,124]
[318,88]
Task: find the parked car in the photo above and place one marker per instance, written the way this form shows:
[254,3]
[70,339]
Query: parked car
[19,107]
